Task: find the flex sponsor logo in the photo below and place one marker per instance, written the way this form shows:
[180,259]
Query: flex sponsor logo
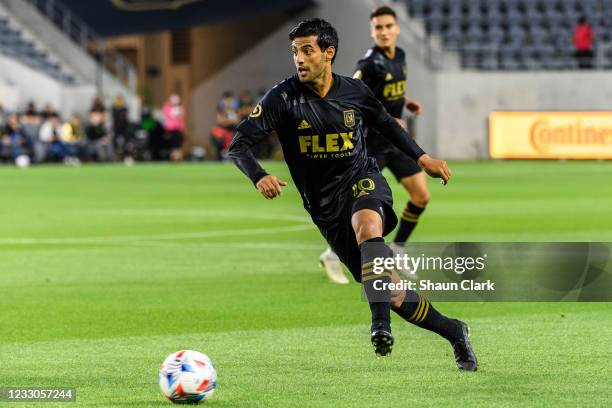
[394,90]
[330,145]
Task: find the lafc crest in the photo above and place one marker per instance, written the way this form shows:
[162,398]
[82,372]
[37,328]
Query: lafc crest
[349,118]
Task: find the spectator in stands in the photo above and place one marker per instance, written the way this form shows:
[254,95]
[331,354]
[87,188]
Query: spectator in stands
[246,104]
[5,141]
[174,124]
[50,138]
[30,109]
[98,140]
[46,111]
[97,106]
[583,42]
[15,142]
[121,128]
[72,136]
[48,133]
[154,134]
[30,124]
[227,120]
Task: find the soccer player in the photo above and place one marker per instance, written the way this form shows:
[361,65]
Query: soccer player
[320,118]
[383,70]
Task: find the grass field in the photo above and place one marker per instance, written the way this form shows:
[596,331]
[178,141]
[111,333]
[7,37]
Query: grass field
[107,269]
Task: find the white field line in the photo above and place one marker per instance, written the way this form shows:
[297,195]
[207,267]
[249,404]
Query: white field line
[152,212]
[153,237]
[243,245]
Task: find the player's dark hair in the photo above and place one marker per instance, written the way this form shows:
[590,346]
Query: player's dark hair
[383,11]
[327,35]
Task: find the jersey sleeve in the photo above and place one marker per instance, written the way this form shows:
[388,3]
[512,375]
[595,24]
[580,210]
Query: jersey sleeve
[364,71]
[267,117]
[376,116]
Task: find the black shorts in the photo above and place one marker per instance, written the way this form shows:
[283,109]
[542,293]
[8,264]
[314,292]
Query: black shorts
[400,164]
[369,191]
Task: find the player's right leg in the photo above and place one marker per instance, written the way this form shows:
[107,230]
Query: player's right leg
[341,237]
[368,227]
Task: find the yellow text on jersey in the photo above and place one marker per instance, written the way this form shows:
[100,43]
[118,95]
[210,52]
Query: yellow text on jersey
[326,144]
[394,90]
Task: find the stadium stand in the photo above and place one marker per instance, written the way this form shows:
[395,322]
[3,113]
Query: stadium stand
[48,54]
[14,44]
[516,34]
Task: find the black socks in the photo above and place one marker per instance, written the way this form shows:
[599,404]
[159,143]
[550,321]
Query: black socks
[417,310]
[408,220]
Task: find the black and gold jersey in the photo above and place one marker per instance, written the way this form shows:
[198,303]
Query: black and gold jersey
[385,77]
[322,139]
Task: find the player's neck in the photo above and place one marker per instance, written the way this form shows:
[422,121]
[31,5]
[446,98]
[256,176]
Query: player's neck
[389,51]
[322,85]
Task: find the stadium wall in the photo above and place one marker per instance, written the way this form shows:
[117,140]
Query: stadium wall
[62,49]
[27,84]
[9,94]
[32,84]
[465,99]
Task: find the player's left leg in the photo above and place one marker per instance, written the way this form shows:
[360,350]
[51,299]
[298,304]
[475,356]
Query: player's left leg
[416,309]
[333,267]
[416,186]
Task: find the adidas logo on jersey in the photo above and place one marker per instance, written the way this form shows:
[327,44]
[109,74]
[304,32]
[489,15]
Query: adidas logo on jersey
[389,77]
[303,125]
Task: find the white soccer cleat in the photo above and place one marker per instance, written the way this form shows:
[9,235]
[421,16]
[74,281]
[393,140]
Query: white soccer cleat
[400,250]
[330,261]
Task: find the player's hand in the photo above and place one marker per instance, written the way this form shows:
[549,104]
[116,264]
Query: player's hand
[435,168]
[270,187]
[414,107]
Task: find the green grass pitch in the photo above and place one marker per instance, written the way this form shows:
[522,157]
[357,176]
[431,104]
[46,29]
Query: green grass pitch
[107,269]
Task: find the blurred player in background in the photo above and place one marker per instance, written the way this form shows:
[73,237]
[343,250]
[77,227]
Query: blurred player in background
[320,119]
[383,70]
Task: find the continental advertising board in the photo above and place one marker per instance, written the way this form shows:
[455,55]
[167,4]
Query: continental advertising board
[550,135]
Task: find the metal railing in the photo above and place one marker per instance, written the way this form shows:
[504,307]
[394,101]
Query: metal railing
[90,41]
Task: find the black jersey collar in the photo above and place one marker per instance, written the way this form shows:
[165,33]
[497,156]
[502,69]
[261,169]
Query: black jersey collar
[379,50]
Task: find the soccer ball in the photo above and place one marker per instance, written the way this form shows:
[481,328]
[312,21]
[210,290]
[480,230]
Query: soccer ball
[187,376]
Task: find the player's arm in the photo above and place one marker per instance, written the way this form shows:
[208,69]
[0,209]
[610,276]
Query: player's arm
[413,106]
[376,116]
[266,117]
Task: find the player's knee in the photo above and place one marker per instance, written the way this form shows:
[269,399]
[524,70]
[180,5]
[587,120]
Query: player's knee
[420,198]
[367,230]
